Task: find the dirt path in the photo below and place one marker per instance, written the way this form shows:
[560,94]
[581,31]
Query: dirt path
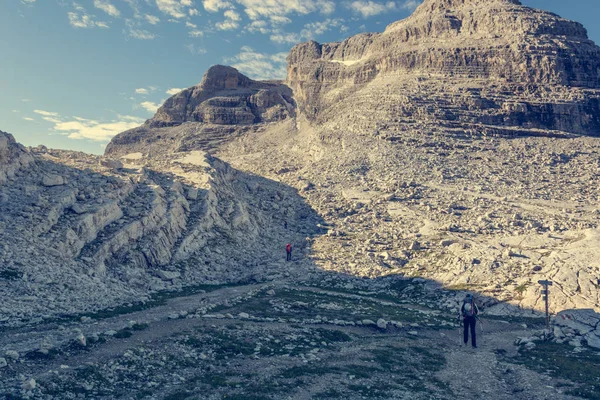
[482,373]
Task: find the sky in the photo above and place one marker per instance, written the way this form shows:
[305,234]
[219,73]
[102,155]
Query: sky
[74,74]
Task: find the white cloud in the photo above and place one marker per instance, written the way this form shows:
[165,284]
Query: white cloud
[286,38]
[318,28]
[370,8]
[46,113]
[227,25]
[257,9]
[259,65]
[232,15]
[107,7]
[193,12]
[231,22]
[152,20]
[258,26]
[150,106]
[195,50]
[134,30]
[173,91]
[141,91]
[216,5]
[28,119]
[80,19]
[411,4]
[82,128]
[174,8]
[25,100]
[15,111]
[27,1]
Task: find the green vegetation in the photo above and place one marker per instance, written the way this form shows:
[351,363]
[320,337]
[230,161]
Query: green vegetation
[11,274]
[561,362]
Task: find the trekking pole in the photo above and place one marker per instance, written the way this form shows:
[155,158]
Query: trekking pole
[480,328]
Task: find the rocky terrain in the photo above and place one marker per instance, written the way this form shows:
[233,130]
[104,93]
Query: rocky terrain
[456,151]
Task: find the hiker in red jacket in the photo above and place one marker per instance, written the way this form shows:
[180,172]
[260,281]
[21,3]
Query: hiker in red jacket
[288,250]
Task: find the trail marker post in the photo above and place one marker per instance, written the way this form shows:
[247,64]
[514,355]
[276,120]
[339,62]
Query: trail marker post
[545,293]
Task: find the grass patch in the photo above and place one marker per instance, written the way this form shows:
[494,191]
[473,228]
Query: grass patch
[560,361]
[307,370]
[11,274]
[124,333]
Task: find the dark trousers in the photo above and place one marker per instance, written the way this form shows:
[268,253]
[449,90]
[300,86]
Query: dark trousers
[469,323]
[289,256]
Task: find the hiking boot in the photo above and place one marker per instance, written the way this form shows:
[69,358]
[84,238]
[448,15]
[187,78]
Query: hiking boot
[474,347]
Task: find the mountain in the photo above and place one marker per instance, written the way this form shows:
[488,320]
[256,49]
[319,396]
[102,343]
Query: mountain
[455,152]
[224,104]
[402,120]
[388,138]
[474,67]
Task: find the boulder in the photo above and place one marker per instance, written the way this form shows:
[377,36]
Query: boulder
[53,180]
[110,163]
[584,323]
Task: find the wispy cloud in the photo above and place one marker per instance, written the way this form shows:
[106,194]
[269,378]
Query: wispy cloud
[259,65]
[135,31]
[28,119]
[46,113]
[194,31]
[258,9]
[83,128]
[150,106]
[28,2]
[231,22]
[370,8]
[411,4]
[216,5]
[141,91]
[310,31]
[81,19]
[107,7]
[173,91]
[152,20]
[175,8]
[195,50]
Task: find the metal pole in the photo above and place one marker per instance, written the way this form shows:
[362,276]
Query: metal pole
[547,315]
[546,293]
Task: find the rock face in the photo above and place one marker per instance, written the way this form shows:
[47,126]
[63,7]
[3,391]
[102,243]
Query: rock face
[77,234]
[13,157]
[573,323]
[223,104]
[478,66]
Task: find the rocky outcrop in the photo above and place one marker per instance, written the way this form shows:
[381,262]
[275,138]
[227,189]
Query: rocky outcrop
[78,234]
[223,104]
[482,66]
[226,97]
[581,324]
[13,157]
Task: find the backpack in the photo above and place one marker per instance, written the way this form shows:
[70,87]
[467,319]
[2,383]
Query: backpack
[468,309]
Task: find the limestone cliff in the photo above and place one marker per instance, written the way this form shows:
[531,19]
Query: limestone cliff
[13,157]
[486,66]
[223,104]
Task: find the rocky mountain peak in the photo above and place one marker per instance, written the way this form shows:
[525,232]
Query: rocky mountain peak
[221,77]
[431,5]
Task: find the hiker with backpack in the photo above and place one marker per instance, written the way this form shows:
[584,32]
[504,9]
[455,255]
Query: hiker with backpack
[288,250]
[469,312]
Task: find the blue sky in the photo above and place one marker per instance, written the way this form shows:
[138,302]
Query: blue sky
[73,74]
